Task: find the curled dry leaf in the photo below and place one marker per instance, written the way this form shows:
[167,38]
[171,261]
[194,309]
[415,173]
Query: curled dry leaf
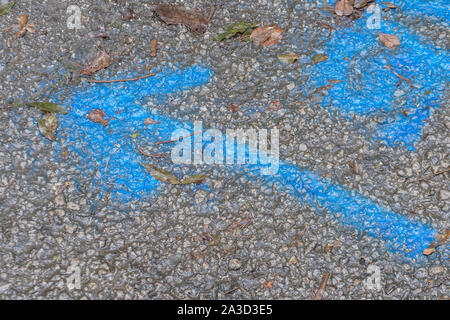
[48,126]
[343,7]
[173,14]
[389,40]
[288,57]
[103,60]
[154,47]
[24,26]
[98,116]
[266,36]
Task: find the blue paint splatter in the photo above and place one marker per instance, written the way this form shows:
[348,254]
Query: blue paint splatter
[399,234]
[111,151]
[358,59]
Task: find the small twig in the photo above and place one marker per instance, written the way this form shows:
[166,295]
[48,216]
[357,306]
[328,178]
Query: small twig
[323,284]
[153,155]
[120,80]
[236,288]
[189,135]
[109,158]
[430,175]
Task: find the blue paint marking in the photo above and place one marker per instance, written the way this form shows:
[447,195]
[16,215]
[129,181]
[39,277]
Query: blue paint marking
[358,59]
[363,78]
[126,179]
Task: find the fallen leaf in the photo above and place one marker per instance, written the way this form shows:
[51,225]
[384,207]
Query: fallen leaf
[98,116]
[48,126]
[275,106]
[48,107]
[148,121]
[103,60]
[318,58]
[173,14]
[389,5]
[6,8]
[236,28]
[323,284]
[24,26]
[343,7]
[328,248]
[196,178]
[160,174]
[429,251]
[266,36]
[288,57]
[154,47]
[128,14]
[389,40]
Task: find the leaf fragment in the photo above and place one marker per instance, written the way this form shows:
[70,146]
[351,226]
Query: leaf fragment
[7,7]
[318,58]
[48,125]
[173,14]
[135,135]
[103,60]
[234,29]
[154,48]
[389,40]
[267,36]
[48,107]
[359,4]
[288,58]
[160,174]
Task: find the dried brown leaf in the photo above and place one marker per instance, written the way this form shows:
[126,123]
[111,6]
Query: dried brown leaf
[48,126]
[98,116]
[173,14]
[389,40]
[266,36]
[103,60]
[233,107]
[148,121]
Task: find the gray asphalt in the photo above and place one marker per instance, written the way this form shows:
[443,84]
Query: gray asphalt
[184,243]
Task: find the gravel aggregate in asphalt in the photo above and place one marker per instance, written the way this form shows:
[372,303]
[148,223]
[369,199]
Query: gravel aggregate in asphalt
[183,243]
